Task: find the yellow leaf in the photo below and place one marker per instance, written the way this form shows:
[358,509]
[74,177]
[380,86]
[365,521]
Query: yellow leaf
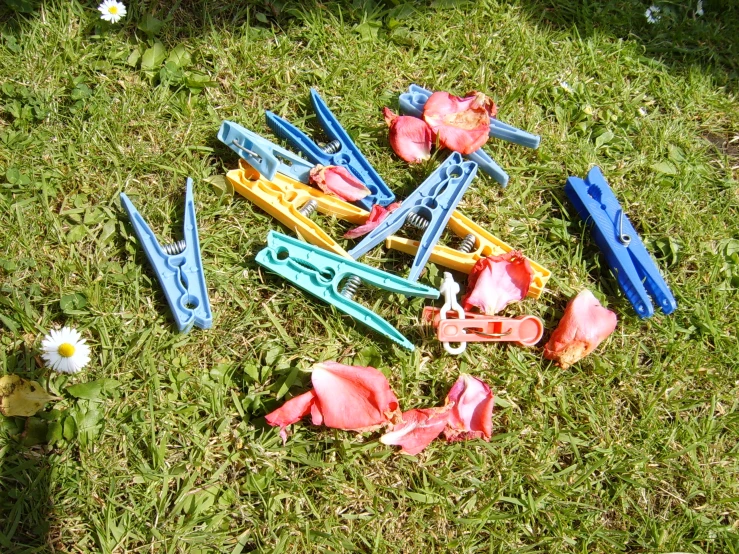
[21,397]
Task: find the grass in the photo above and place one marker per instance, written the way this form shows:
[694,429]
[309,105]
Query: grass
[634,449]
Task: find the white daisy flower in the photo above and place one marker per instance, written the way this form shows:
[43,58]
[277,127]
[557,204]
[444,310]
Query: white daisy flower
[112,10]
[699,8]
[653,14]
[65,351]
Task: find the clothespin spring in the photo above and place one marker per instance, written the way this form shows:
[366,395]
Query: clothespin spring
[622,237]
[351,287]
[173,248]
[243,148]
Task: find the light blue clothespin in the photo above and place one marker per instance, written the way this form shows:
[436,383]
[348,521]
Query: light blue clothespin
[321,273]
[264,156]
[637,274]
[429,207]
[412,103]
[340,151]
[178,266]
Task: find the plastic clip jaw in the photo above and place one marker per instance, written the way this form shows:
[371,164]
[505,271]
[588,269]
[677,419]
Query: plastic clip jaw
[449,290]
[320,273]
[635,270]
[180,273]
[347,154]
[434,200]
[284,199]
[486,244]
[263,155]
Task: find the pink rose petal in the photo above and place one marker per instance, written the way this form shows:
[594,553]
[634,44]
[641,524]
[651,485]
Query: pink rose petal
[410,137]
[417,429]
[291,411]
[471,416]
[461,124]
[585,324]
[496,281]
[336,180]
[376,216]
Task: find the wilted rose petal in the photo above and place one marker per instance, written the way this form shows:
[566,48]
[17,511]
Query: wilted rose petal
[376,216]
[461,124]
[290,412]
[336,180]
[496,281]
[410,137]
[417,429]
[355,398]
[471,416]
[585,324]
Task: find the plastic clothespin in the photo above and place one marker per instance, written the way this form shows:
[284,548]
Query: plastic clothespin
[412,103]
[320,273]
[292,202]
[340,151]
[478,243]
[633,267]
[526,330]
[263,155]
[178,266]
[429,207]
[449,290]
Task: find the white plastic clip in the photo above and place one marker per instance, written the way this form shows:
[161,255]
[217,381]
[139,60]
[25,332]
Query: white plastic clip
[449,289]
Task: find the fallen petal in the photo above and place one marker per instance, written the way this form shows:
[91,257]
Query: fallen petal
[417,429]
[471,416]
[496,281]
[355,398]
[585,324]
[461,124]
[291,411]
[410,137]
[336,180]
[376,216]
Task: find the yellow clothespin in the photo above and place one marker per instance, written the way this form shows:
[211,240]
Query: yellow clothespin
[292,202]
[477,243]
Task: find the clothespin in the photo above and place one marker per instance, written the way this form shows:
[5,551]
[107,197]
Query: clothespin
[413,101]
[321,273]
[429,207]
[449,290]
[292,203]
[263,155]
[477,243]
[633,267]
[341,150]
[178,266]
[526,330]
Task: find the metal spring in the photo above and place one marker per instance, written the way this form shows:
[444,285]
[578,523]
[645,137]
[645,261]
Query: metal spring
[332,147]
[240,146]
[468,244]
[308,208]
[417,221]
[350,287]
[175,248]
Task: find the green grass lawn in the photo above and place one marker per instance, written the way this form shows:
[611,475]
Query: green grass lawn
[634,449]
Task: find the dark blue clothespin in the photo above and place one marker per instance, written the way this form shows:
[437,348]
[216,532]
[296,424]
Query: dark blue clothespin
[429,207]
[340,151]
[413,101]
[178,266]
[264,156]
[635,270]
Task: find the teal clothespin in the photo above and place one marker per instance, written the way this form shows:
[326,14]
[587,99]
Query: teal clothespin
[320,273]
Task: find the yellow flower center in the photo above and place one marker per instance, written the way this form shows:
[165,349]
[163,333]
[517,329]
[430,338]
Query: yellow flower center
[66,350]
[113,10]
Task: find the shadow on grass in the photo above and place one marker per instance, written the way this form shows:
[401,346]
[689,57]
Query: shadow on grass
[683,37]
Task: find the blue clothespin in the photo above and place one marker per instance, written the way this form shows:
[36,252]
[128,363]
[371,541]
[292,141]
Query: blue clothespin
[320,273]
[429,207]
[635,270]
[178,266]
[412,103]
[340,151]
[264,156]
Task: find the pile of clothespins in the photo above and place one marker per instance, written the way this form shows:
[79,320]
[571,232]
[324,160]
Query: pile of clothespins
[276,180]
